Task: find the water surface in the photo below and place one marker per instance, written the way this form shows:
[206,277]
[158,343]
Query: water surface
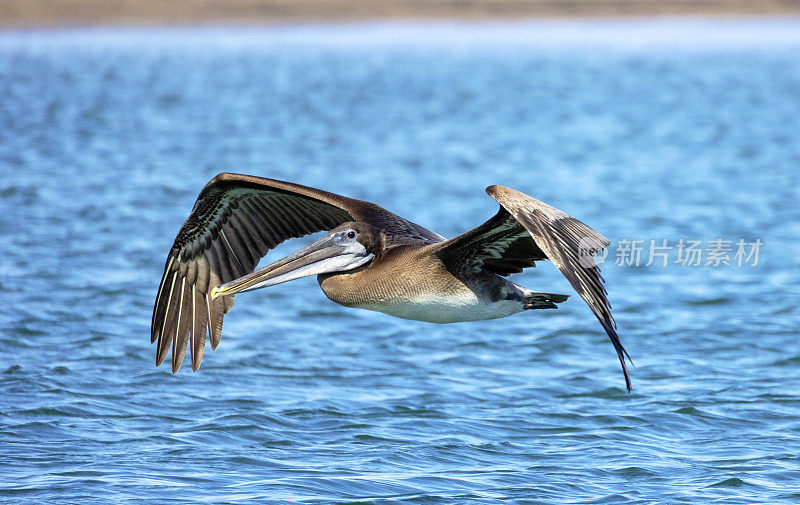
[650,130]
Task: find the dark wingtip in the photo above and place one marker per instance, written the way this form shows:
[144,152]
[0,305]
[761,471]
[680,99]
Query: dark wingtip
[625,369]
[621,352]
[161,353]
[630,360]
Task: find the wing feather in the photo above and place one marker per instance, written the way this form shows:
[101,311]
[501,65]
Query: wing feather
[184,331]
[199,327]
[169,320]
[216,311]
[235,221]
[526,230]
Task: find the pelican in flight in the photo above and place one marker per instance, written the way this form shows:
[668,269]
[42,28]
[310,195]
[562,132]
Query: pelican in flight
[369,258]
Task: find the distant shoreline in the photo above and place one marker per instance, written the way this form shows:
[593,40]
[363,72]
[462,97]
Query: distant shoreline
[55,13]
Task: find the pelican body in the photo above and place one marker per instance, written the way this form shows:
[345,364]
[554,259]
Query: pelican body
[369,258]
[413,283]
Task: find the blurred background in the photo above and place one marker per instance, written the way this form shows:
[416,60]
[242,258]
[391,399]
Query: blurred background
[90,12]
[656,131]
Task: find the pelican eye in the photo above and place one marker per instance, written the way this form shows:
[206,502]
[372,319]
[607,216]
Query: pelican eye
[351,234]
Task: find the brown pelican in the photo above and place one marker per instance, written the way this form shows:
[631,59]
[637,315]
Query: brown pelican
[369,258]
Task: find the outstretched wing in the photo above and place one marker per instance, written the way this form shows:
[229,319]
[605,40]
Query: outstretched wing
[526,230]
[235,221]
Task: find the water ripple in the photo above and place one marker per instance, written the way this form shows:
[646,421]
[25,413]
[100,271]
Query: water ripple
[107,137]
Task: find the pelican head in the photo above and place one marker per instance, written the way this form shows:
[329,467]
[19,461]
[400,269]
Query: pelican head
[346,247]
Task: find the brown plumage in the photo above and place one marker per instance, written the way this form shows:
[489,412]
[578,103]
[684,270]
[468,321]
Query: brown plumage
[371,258]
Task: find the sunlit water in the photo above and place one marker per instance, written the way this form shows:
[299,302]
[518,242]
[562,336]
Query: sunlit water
[645,130]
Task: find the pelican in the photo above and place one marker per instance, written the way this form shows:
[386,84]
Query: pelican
[369,258]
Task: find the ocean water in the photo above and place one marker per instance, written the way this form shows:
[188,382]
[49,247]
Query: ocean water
[649,131]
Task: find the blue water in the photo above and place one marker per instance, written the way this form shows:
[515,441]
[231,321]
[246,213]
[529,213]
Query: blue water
[646,130]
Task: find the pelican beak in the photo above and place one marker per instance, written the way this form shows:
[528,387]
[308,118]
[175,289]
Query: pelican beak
[326,255]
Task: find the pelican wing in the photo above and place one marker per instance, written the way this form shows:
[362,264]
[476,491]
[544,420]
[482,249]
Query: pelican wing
[235,221]
[526,230]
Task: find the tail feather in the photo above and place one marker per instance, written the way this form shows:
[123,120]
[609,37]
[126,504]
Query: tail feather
[536,300]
